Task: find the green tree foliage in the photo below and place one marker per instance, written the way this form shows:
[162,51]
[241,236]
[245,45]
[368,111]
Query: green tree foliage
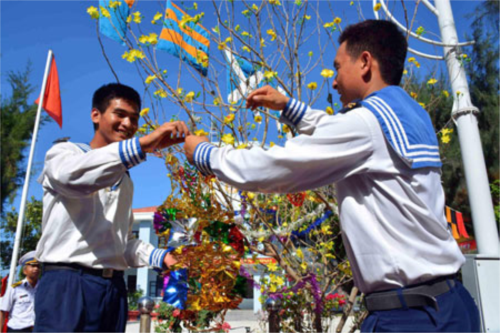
[18,119]
[31,232]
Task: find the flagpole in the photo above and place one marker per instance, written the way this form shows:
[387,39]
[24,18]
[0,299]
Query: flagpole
[20,220]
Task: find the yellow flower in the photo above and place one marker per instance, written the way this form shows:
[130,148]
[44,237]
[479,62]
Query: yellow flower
[200,133]
[310,53]
[195,6]
[245,12]
[445,139]
[329,110]
[255,7]
[377,7]
[137,17]
[271,33]
[93,12]
[411,59]
[237,28]
[160,93]
[216,101]
[150,79]
[179,91]
[242,146]
[151,39]
[417,64]
[129,19]
[271,144]
[337,20]
[245,48]
[228,40]
[328,25]
[269,75]
[351,3]
[464,56]
[447,131]
[286,129]
[303,266]
[228,139]
[229,118]
[459,93]
[420,30]
[189,97]
[422,105]
[104,12]
[327,73]
[278,280]
[405,72]
[413,95]
[157,16]
[432,81]
[312,85]
[299,254]
[307,17]
[221,46]
[445,93]
[275,2]
[257,118]
[273,267]
[246,34]
[144,112]
[132,55]
[114,4]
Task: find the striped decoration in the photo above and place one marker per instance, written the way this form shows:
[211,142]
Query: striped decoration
[115,27]
[456,223]
[187,41]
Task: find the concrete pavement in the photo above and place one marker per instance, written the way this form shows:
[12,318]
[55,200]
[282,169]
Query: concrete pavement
[241,321]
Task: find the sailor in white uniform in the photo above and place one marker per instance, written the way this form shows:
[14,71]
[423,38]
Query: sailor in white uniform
[382,153]
[19,299]
[87,239]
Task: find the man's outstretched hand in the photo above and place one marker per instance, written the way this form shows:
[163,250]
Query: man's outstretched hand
[164,136]
[267,97]
[190,145]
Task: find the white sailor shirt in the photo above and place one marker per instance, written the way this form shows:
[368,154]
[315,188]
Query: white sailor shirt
[19,301]
[392,216]
[87,207]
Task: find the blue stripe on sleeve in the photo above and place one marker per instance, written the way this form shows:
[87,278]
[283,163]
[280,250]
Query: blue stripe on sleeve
[156,258]
[202,158]
[294,111]
[122,154]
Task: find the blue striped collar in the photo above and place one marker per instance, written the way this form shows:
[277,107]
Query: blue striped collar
[406,126]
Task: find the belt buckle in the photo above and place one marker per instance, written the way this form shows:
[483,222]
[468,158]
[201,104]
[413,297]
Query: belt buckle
[107,273]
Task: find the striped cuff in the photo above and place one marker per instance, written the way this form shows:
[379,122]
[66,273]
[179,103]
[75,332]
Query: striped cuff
[294,111]
[202,158]
[131,153]
[157,257]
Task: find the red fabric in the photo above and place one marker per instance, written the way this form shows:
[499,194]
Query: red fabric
[461,226]
[5,280]
[52,96]
[4,285]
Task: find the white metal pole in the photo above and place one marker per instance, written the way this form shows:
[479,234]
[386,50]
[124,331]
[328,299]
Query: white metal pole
[22,208]
[464,114]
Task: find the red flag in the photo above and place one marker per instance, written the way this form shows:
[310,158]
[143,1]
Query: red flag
[52,96]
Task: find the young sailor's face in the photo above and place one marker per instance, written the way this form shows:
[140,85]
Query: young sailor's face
[347,81]
[119,121]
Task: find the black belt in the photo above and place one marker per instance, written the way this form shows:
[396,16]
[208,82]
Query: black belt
[105,273]
[418,296]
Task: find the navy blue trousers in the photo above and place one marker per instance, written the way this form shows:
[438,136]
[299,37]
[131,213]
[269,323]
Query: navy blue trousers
[457,313]
[72,301]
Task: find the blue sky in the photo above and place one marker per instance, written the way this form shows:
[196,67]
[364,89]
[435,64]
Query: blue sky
[30,28]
